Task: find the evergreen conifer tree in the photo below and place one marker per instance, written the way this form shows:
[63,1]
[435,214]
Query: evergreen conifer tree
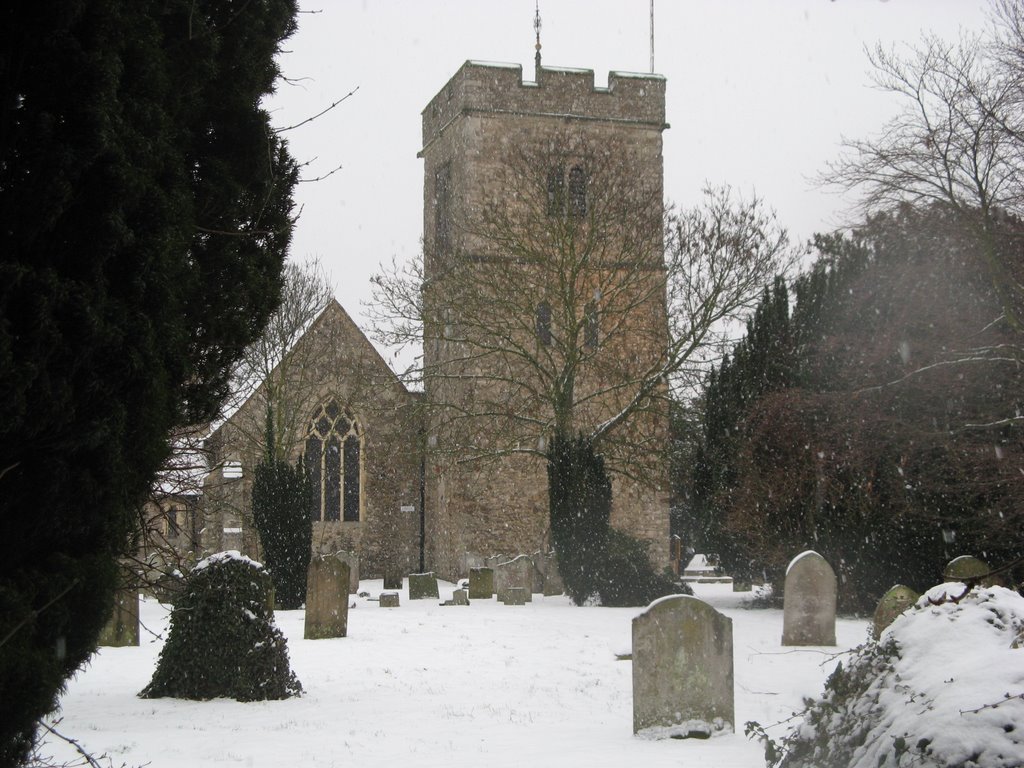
[145,212]
[281,502]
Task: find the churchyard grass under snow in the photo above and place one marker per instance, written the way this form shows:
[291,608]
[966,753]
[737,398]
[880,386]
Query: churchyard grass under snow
[485,685]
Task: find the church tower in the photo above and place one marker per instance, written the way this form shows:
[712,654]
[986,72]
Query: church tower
[542,236]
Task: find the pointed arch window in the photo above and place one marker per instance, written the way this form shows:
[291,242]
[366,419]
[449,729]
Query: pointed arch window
[591,325]
[333,456]
[577,192]
[544,323]
[556,191]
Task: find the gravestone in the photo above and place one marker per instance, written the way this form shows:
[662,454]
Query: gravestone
[893,603]
[809,605]
[470,560]
[388,599]
[460,597]
[682,670]
[481,583]
[517,573]
[422,586]
[123,627]
[968,567]
[514,595]
[392,578]
[546,563]
[327,587]
[352,560]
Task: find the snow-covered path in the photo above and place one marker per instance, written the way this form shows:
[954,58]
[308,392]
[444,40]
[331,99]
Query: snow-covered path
[426,685]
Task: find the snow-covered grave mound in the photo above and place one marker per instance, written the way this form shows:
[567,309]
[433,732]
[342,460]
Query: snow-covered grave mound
[944,686]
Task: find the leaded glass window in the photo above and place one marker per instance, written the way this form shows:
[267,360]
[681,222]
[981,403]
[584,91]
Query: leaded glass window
[334,462]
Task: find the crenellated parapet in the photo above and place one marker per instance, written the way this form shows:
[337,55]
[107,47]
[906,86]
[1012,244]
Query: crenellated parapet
[485,87]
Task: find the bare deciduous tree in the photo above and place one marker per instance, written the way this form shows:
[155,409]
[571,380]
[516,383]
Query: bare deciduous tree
[568,305]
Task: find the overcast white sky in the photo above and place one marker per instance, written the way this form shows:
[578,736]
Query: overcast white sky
[759,94]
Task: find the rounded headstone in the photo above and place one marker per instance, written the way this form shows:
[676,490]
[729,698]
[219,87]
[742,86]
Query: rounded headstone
[809,604]
[966,567]
[893,603]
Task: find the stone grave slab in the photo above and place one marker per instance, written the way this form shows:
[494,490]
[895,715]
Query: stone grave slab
[327,587]
[893,603]
[682,670]
[809,603]
[481,583]
[388,599]
[423,586]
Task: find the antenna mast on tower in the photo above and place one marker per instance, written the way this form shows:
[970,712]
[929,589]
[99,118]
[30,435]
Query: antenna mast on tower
[536,28]
[652,37]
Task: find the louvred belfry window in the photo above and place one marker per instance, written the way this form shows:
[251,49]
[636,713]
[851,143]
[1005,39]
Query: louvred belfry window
[334,453]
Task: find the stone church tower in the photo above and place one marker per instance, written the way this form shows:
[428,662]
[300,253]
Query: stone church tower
[598,152]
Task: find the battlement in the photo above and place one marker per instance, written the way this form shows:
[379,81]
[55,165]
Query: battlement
[482,87]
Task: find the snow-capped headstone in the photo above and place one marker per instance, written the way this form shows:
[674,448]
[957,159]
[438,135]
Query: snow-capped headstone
[470,560]
[481,583]
[123,627]
[327,588]
[893,603]
[423,586]
[682,670]
[967,567]
[809,605]
[352,560]
[517,573]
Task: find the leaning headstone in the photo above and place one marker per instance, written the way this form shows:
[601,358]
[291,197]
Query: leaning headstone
[809,605]
[682,670]
[422,586]
[481,583]
[327,587]
[123,627]
[352,560]
[893,603]
[388,599]
[547,564]
[517,573]
[513,596]
[967,567]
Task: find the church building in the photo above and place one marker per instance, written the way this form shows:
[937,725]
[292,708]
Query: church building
[543,284]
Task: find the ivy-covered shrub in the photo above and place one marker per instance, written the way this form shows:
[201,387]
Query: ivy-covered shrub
[932,693]
[223,641]
[627,577]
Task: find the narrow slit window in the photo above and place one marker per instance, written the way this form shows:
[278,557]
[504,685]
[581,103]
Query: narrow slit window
[556,191]
[544,323]
[577,193]
[591,325]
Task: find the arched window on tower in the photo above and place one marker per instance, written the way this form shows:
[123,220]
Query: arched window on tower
[544,323]
[333,459]
[591,325]
[577,192]
[556,191]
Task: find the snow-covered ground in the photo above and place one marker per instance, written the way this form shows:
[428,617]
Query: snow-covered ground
[425,685]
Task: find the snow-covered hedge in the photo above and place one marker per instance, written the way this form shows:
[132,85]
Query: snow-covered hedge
[943,686]
[223,640]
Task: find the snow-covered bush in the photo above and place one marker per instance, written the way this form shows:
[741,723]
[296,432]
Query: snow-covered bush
[222,639]
[943,686]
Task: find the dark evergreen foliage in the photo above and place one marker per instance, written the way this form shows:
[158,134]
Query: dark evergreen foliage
[580,498]
[222,639]
[282,497]
[867,442]
[144,217]
[594,559]
[626,577]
